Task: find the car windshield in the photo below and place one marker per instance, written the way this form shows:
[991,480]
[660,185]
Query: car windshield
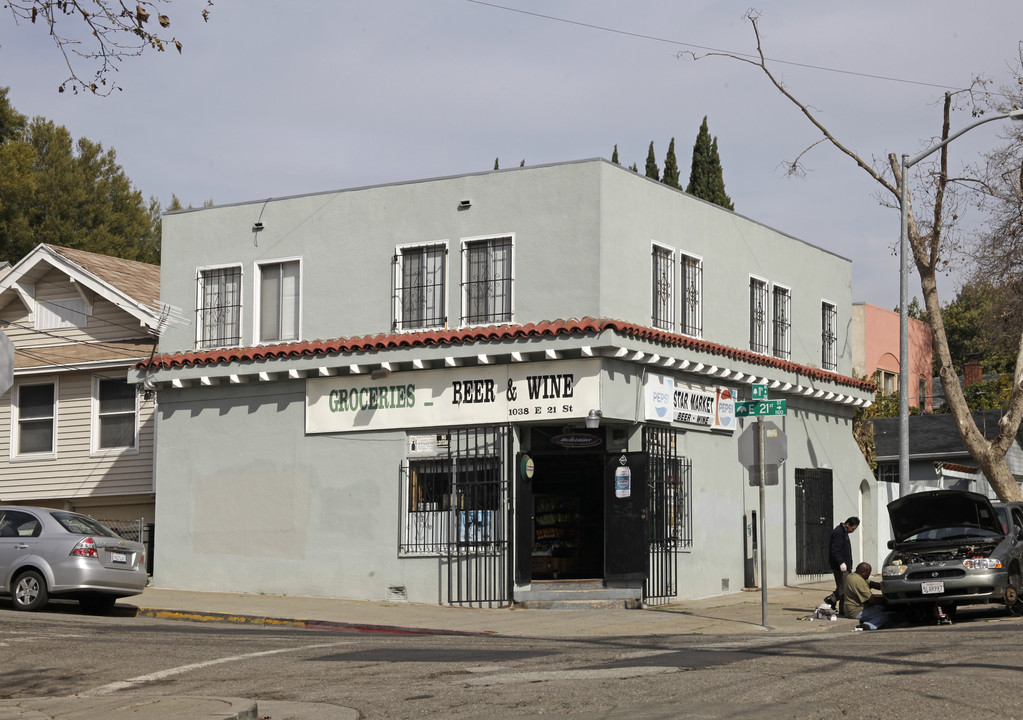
[83,525]
[953,533]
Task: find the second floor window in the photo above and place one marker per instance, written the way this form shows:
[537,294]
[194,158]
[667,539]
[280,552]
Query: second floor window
[487,281]
[663,282]
[419,287]
[758,312]
[36,409]
[782,322]
[692,296]
[829,336]
[279,296]
[219,307]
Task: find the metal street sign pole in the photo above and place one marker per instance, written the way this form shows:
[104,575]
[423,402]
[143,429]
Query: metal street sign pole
[763,523]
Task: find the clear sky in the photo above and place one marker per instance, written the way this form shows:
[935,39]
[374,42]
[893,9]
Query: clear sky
[271,99]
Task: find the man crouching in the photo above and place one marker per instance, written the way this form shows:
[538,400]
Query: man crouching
[860,603]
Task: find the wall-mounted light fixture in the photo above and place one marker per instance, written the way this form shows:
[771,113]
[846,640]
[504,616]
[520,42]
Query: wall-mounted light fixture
[465,204]
[257,227]
[593,419]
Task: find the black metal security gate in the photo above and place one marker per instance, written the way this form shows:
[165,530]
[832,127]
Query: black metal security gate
[814,499]
[669,477]
[456,507]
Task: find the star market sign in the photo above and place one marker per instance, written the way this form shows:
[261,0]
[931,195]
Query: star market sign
[669,400]
[532,392]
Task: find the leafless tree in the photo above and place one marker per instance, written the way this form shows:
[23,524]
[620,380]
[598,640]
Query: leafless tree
[934,240]
[99,34]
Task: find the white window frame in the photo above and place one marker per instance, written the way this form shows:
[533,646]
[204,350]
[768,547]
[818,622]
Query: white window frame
[781,327]
[400,253]
[691,326]
[15,453]
[97,415]
[62,313]
[200,341]
[257,302]
[464,318]
[760,330]
[829,344]
[658,303]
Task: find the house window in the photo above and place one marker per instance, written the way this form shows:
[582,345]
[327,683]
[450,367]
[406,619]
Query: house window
[487,281]
[692,295]
[419,287]
[279,296]
[64,313]
[829,336]
[887,472]
[921,396]
[219,307]
[36,413]
[115,415]
[887,382]
[663,265]
[782,322]
[758,315]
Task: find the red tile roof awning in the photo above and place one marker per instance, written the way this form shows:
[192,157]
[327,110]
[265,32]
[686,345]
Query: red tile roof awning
[493,333]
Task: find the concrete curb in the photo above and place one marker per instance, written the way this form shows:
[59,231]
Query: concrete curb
[128,707]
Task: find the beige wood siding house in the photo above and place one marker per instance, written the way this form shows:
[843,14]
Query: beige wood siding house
[73,432]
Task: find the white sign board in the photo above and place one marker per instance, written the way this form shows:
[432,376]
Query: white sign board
[671,400]
[534,392]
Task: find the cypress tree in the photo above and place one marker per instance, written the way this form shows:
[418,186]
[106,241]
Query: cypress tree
[497,165]
[651,164]
[706,178]
[670,176]
[614,156]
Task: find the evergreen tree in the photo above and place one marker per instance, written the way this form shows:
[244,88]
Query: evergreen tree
[497,165]
[634,168]
[651,164]
[614,156]
[670,176]
[706,179]
[74,194]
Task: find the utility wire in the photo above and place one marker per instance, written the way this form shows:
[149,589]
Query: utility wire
[704,48]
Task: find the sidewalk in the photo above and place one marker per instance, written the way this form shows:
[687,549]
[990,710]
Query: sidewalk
[788,610]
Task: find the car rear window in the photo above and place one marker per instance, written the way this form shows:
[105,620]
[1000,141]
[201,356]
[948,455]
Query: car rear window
[83,525]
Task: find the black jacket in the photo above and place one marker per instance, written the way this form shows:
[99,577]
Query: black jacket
[841,549]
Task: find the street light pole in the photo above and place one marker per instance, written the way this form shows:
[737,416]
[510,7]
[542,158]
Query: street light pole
[907,163]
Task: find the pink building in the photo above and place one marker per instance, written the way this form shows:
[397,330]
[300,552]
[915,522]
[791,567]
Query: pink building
[875,352]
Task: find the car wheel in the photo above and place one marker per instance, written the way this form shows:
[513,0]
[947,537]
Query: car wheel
[97,604]
[1013,602]
[28,591]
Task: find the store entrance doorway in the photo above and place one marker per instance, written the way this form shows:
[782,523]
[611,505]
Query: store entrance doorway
[568,516]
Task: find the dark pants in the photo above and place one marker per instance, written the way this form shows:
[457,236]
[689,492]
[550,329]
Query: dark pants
[839,594]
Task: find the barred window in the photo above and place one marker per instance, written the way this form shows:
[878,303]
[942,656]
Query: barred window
[662,304]
[782,322]
[419,287]
[758,315]
[829,336]
[692,296]
[487,281]
[219,307]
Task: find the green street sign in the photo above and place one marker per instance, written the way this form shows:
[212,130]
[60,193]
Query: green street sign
[747,408]
[759,391]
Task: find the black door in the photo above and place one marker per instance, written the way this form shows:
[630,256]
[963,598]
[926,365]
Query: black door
[625,516]
[814,495]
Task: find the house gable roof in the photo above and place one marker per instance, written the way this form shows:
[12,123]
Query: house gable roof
[132,286]
[932,434]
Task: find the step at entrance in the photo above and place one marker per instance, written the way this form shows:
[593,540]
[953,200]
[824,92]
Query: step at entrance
[577,595]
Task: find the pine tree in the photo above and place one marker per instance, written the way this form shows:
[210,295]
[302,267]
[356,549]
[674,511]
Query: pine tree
[706,178]
[651,164]
[670,176]
[497,165]
[614,156]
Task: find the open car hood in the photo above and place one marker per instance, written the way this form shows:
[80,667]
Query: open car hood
[938,509]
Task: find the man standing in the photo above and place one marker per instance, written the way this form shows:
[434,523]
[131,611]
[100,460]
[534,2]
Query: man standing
[860,603]
[840,557]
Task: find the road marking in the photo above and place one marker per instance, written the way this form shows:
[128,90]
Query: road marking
[162,674]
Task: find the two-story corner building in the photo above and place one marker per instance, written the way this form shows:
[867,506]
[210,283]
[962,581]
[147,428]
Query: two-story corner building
[459,390]
[77,434]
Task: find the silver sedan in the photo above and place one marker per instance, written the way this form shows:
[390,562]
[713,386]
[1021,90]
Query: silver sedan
[48,553]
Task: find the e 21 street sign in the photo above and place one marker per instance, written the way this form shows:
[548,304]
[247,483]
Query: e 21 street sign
[747,408]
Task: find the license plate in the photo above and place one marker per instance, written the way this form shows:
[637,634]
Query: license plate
[123,558]
[931,588]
